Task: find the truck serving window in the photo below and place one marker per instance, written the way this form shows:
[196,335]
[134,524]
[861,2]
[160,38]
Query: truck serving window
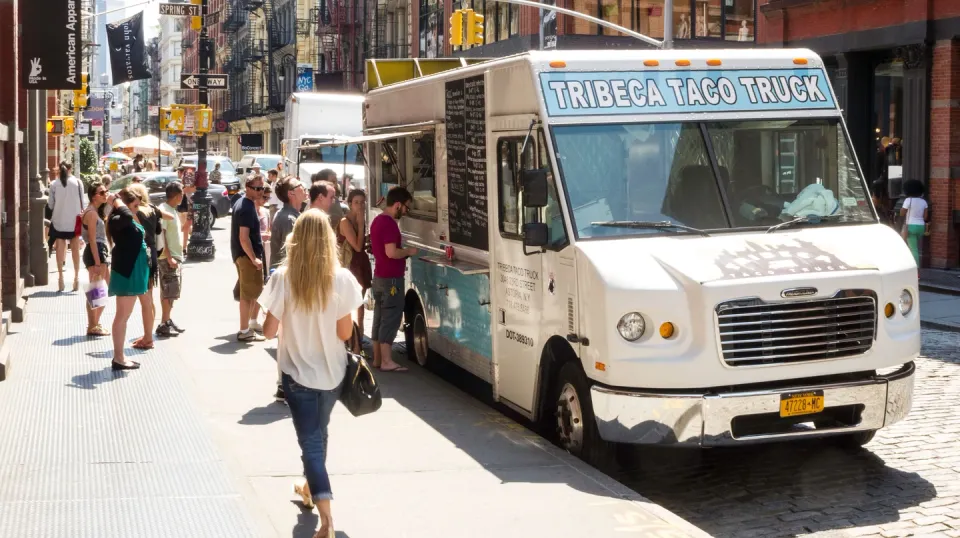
[422,183]
[743,174]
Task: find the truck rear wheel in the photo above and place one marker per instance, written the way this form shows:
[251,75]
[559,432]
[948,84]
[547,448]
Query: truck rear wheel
[415,334]
[576,426]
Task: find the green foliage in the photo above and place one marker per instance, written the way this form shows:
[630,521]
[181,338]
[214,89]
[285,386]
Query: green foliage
[88,157]
[89,179]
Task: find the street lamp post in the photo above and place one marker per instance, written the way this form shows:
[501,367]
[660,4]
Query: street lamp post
[201,245]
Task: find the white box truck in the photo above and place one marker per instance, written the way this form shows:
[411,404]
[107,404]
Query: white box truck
[314,118]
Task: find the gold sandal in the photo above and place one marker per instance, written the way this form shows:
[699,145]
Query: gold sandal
[97,330]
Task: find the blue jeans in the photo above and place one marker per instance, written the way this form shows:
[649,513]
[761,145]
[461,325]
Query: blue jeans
[311,410]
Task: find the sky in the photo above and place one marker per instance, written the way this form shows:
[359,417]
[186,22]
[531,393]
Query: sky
[151,17]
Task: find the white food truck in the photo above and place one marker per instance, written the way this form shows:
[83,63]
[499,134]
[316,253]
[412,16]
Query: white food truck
[648,246]
[313,118]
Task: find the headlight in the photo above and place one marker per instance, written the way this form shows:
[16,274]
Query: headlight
[906,302]
[631,326]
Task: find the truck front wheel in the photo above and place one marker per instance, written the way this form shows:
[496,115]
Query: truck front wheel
[576,427]
[856,440]
[415,334]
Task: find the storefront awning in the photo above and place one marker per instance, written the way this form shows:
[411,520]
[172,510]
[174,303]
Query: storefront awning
[362,139]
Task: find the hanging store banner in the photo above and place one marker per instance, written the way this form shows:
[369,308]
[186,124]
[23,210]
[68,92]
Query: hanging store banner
[127,54]
[52,33]
[96,110]
[304,77]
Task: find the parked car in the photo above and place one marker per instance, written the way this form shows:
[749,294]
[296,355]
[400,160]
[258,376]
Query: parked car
[156,184]
[229,176]
[267,162]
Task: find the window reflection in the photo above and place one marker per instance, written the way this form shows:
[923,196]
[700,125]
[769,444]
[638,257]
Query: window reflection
[740,19]
[732,20]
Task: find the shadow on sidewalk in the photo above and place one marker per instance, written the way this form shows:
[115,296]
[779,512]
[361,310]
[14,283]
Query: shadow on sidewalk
[265,414]
[308,522]
[90,380]
[230,345]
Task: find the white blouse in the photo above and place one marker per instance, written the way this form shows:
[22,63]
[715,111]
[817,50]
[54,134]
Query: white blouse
[66,203]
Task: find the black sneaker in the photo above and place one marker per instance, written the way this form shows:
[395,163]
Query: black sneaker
[280,396]
[175,327]
[165,330]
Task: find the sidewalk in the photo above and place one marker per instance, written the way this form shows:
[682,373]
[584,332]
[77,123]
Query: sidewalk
[940,311]
[942,281]
[193,445]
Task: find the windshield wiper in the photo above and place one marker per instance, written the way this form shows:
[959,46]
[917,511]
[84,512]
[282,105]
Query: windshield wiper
[808,219]
[663,225]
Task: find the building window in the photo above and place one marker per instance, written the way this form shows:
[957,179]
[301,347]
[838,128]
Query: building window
[501,21]
[740,16]
[431,28]
[732,20]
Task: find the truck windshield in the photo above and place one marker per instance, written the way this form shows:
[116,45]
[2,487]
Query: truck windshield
[332,155]
[770,172]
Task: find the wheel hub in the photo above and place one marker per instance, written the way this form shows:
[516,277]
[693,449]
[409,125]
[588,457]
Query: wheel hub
[570,419]
[421,348]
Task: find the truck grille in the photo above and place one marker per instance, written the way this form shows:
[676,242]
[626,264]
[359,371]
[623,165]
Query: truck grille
[753,332]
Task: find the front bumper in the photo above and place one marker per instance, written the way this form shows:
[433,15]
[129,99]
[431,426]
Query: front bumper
[711,419]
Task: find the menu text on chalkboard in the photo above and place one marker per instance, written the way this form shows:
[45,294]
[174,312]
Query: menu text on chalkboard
[465,117]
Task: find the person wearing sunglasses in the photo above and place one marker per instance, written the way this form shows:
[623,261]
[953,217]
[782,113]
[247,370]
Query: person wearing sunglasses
[246,247]
[95,253]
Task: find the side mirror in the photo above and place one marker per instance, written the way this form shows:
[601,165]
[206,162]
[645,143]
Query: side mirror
[534,184]
[536,234]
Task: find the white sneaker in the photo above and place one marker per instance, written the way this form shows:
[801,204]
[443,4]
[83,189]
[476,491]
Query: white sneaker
[255,326]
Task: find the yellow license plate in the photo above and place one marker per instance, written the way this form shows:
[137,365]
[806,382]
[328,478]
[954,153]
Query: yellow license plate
[801,403]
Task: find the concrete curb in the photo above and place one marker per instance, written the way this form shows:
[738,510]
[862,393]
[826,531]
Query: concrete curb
[940,326]
[945,290]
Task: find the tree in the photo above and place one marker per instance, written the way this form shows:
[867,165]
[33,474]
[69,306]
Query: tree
[88,157]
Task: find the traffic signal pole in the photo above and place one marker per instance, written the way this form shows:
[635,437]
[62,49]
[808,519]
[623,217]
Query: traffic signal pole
[201,245]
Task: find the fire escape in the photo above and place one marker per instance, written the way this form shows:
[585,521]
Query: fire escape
[235,18]
[281,28]
[341,31]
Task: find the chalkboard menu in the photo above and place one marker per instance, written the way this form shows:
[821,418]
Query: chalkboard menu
[467,162]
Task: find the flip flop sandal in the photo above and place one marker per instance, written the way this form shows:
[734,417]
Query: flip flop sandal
[142,346]
[97,330]
[397,368]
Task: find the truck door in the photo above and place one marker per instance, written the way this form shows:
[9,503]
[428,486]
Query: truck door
[516,281]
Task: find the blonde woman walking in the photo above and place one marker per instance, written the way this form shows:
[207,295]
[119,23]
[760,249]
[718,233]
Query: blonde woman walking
[312,298]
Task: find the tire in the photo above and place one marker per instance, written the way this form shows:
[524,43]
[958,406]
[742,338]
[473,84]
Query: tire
[574,423]
[856,440]
[415,334]
[213,213]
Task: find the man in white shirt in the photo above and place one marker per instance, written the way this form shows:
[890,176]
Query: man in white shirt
[169,261]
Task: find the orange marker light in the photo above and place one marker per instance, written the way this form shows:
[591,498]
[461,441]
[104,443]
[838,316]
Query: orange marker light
[651,63]
[600,366]
[667,330]
[683,63]
[800,61]
[888,310]
[558,63]
[714,62]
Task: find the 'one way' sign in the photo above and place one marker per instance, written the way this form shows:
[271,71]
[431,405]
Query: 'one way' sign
[190,81]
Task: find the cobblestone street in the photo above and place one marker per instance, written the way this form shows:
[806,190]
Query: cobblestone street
[904,483]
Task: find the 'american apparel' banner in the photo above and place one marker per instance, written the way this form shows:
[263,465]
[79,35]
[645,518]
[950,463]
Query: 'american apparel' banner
[52,36]
[127,51]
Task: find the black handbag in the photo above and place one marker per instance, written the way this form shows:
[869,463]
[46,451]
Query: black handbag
[360,393]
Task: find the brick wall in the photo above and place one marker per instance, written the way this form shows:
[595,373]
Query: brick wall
[944,153]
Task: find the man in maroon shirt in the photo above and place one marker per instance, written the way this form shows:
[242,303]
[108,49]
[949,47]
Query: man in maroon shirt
[388,277]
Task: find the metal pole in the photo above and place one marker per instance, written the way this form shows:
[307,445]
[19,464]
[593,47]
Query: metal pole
[668,24]
[540,23]
[201,245]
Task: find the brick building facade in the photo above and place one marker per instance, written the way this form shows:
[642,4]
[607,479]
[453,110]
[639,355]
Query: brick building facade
[895,66]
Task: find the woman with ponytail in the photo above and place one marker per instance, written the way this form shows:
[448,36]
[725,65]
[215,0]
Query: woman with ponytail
[66,201]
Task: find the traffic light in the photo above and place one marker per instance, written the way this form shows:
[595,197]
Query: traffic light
[456,28]
[60,125]
[172,119]
[55,126]
[203,120]
[80,97]
[474,28]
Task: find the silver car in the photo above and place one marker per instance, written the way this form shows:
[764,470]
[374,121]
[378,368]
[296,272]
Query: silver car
[156,184]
